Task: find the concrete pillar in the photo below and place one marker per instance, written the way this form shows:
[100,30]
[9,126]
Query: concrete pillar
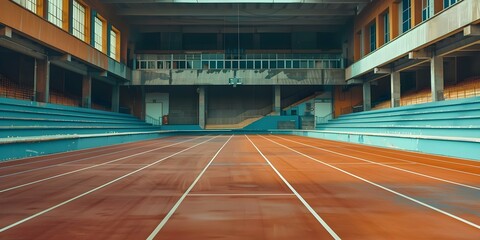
[42,80]
[220,41]
[87,91]
[277,105]
[367,96]
[436,78]
[115,98]
[395,89]
[202,106]
[144,102]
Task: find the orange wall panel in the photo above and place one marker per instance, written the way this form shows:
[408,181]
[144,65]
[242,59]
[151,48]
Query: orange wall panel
[416,9]
[394,19]
[344,100]
[35,27]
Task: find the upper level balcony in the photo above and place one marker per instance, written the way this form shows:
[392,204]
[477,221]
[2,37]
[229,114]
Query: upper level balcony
[250,68]
[239,61]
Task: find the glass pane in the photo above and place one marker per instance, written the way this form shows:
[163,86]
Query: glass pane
[250,64]
[213,64]
[258,64]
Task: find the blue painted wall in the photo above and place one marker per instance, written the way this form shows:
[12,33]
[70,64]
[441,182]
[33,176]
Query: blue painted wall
[271,122]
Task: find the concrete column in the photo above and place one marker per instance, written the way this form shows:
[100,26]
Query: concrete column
[115,98]
[202,106]
[144,102]
[436,78]
[367,96]
[42,80]
[87,91]
[277,105]
[220,41]
[395,89]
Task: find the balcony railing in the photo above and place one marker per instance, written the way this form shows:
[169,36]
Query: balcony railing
[236,61]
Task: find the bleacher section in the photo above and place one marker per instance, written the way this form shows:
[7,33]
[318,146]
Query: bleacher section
[32,122]
[11,89]
[444,127]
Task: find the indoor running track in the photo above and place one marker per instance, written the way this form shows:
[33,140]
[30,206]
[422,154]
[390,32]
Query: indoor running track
[239,187]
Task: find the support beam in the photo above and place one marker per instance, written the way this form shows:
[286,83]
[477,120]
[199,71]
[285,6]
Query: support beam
[420,54]
[42,80]
[378,70]
[277,105]
[395,89]
[6,32]
[214,11]
[115,98]
[354,81]
[367,96]
[437,78]
[87,91]
[202,103]
[471,30]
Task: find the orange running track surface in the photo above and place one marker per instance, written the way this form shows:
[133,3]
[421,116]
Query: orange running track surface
[240,187]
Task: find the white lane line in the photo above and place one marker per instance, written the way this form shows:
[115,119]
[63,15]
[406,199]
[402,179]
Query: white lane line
[388,163]
[305,203]
[98,188]
[380,186]
[238,194]
[115,164]
[404,160]
[418,163]
[177,204]
[83,152]
[74,161]
[90,167]
[380,164]
[417,155]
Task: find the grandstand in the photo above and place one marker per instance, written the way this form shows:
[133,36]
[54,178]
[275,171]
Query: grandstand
[242,119]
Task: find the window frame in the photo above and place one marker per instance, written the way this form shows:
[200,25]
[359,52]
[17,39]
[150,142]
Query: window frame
[86,25]
[28,3]
[116,54]
[386,27]
[406,13]
[55,12]
[449,3]
[103,31]
[372,28]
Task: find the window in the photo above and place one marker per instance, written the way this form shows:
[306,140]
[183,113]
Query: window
[98,29]
[406,15]
[113,44]
[427,9]
[55,12]
[373,37]
[448,3]
[386,27]
[28,4]
[78,20]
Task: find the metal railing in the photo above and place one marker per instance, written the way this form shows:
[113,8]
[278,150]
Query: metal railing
[242,61]
[153,121]
[236,118]
[323,119]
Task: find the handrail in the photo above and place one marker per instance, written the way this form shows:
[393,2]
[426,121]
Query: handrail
[238,61]
[251,113]
[324,119]
[151,120]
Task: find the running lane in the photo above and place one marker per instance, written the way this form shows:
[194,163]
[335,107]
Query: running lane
[240,196]
[367,201]
[43,211]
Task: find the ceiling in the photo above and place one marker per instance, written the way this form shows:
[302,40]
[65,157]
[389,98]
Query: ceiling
[236,15]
